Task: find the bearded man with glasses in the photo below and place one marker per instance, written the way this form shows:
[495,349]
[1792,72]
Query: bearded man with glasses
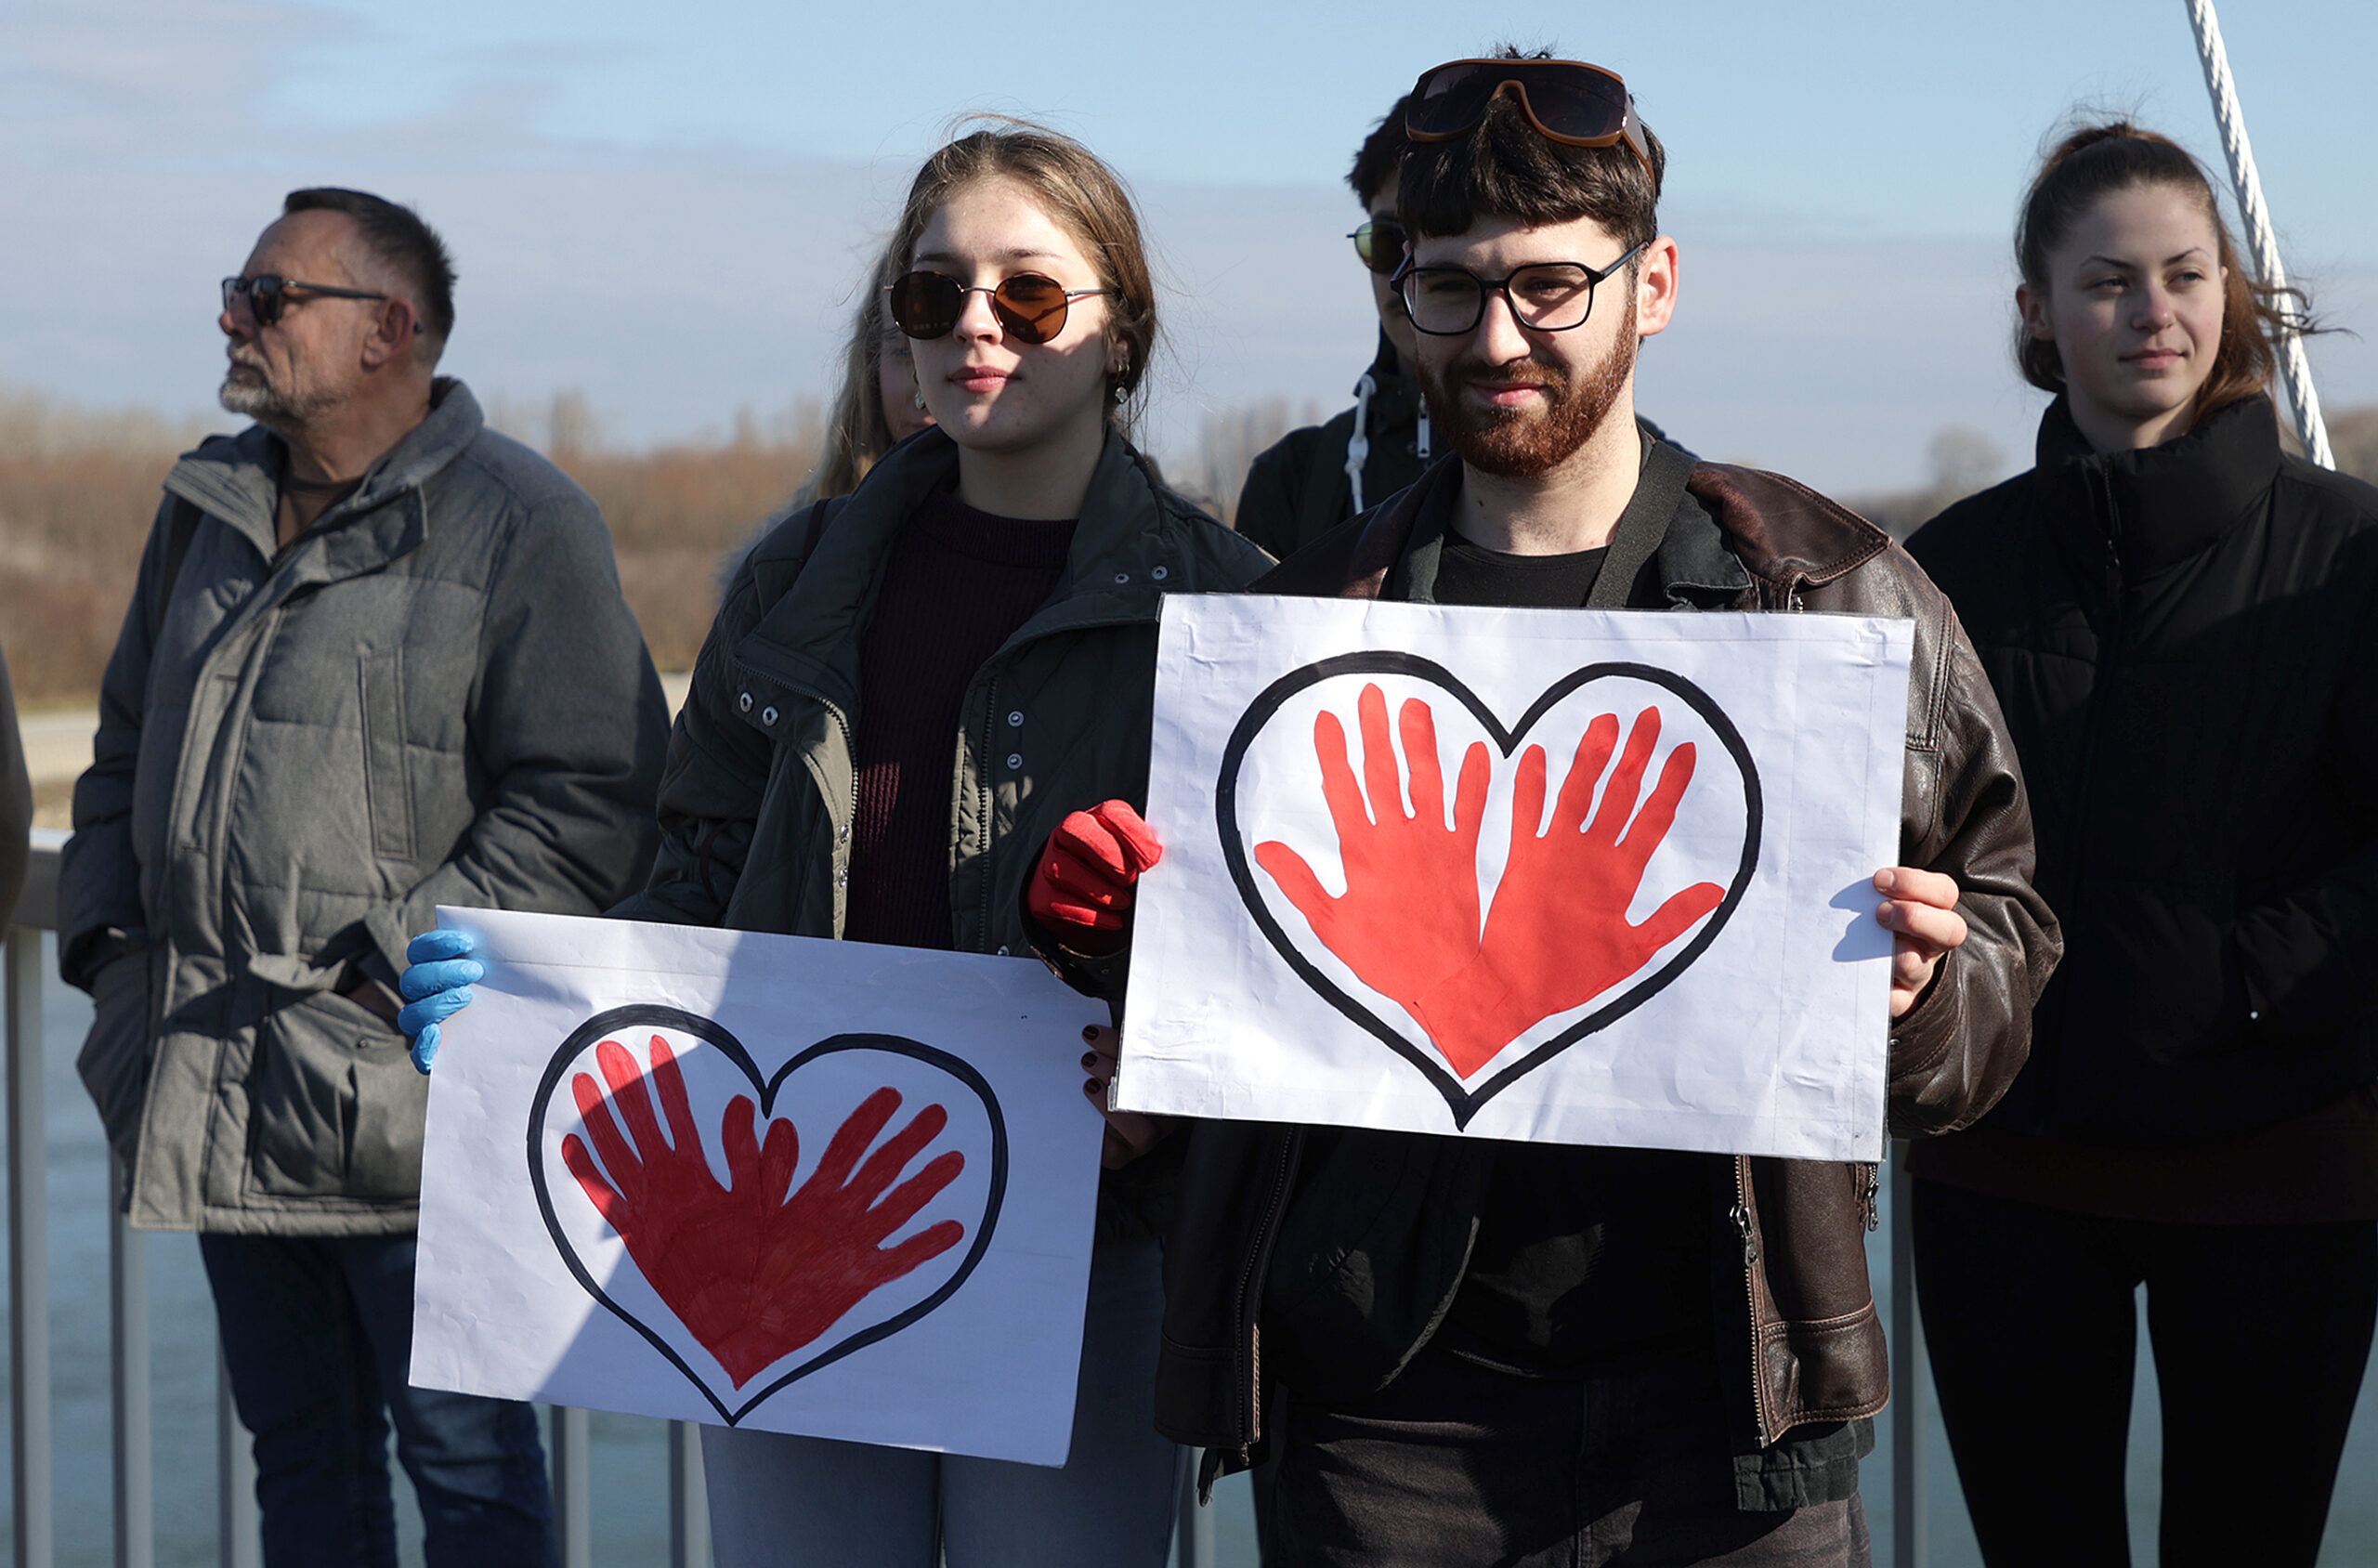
[377,660]
[1475,1353]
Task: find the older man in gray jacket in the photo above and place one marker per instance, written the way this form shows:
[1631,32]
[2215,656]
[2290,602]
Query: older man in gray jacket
[377,660]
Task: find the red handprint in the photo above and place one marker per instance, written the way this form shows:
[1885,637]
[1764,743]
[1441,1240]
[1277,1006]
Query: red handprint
[1408,920]
[755,1273]
[1557,935]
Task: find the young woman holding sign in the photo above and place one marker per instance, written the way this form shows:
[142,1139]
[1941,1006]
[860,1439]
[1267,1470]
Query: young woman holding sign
[2181,620]
[987,594]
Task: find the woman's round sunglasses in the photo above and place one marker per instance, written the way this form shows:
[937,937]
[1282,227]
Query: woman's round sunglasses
[1031,308]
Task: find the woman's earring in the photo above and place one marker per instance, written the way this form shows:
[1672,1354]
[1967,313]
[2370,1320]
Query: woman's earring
[1121,391]
[917,397]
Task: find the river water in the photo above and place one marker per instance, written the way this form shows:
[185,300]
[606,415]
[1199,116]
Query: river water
[629,1455]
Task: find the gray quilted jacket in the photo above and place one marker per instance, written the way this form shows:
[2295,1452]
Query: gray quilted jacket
[436,696]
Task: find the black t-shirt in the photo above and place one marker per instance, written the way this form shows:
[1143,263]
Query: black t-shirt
[1582,1253]
[1469,573]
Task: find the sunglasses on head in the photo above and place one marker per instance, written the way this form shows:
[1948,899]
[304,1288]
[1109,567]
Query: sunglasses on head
[1566,101]
[268,294]
[1031,308]
[1379,242]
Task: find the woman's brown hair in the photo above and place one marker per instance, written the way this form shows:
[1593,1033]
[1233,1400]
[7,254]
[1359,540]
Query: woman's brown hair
[856,434]
[1083,196]
[2092,162]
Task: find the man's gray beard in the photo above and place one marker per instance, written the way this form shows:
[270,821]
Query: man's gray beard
[269,407]
[1516,445]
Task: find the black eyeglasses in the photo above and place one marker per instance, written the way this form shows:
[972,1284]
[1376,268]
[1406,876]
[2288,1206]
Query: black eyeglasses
[1031,308]
[1380,242]
[268,294]
[1552,296]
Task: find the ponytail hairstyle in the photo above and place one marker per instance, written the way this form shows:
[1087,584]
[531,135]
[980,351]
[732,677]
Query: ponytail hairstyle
[1082,196]
[2095,160]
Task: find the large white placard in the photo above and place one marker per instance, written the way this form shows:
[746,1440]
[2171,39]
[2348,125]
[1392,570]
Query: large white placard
[1677,949]
[817,1187]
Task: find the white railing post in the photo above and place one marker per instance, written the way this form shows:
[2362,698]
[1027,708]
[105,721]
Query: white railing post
[136,1513]
[1910,1533]
[27,1250]
[1194,1527]
[688,1501]
[570,1484]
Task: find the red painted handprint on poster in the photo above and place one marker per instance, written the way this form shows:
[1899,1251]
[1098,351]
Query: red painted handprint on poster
[1556,934]
[754,1271]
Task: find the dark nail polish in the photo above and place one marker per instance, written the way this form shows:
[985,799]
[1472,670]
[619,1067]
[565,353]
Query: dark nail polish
[1088,1060]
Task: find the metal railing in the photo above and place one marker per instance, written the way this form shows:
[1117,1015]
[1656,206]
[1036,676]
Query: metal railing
[129,1412]
[134,1493]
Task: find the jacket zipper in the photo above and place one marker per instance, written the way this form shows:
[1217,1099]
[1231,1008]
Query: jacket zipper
[1256,1258]
[1870,1195]
[1746,1223]
[985,805]
[2102,504]
[842,835]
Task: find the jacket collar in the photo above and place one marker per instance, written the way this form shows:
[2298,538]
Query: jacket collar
[237,479]
[1122,557]
[1394,554]
[2162,504]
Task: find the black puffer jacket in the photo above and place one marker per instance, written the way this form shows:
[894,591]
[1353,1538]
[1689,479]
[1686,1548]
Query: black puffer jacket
[2185,642]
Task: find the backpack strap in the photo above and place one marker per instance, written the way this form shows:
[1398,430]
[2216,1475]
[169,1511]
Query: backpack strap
[1644,524]
[1321,505]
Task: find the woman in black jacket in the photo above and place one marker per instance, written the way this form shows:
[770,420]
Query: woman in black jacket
[2181,621]
[907,691]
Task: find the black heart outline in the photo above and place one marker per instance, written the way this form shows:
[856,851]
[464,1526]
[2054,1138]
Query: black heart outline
[1466,1103]
[717,1034]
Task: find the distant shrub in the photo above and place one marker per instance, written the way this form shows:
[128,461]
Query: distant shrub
[78,491]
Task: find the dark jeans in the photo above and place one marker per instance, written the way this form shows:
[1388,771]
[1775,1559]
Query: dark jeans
[1454,1466]
[317,1335]
[2260,1333]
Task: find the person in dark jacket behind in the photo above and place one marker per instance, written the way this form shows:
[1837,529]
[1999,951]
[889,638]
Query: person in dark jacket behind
[1470,1352]
[1312,480]
[377,660]
[2182,624]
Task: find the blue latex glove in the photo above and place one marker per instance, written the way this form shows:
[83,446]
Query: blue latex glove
[435,989]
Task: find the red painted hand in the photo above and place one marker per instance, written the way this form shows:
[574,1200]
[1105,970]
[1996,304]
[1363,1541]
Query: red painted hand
[1407,921]
[755,1273]
[1557,935]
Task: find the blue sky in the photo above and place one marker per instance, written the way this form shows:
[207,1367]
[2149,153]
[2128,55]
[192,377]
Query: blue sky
[664,207]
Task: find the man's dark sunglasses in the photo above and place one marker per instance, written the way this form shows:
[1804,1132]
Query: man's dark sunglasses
[1379,242]
[1567,101]
[1031,308]
[268,294]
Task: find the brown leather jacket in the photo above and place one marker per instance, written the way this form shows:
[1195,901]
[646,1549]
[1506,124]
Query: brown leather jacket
[1802,1306]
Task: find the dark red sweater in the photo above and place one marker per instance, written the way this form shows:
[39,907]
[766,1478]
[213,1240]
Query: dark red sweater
[956,586]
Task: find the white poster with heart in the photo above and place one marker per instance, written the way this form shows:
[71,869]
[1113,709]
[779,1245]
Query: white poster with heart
[1568,876]
[827,1188]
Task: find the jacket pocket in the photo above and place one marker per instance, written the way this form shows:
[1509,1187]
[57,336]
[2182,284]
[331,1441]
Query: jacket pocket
[115,1057]
[335,1106]
[388,788]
